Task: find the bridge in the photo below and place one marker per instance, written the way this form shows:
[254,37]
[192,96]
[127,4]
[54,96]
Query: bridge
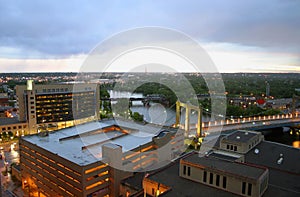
[145,100]
[250,123]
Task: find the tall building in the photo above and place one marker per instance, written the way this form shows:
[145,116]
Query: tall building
[92,159]
[56,105]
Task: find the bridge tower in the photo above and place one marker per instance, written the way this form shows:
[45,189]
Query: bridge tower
[188,108]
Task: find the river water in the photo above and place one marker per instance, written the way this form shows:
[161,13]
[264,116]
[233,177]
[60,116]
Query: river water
[155,113]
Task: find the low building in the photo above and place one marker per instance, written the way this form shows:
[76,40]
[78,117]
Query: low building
[13,127]
[233,177]
[240,141]
[264,169]
[93,158]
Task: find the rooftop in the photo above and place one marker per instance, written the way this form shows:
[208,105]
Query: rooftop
[82,144]
[181,186]
[284,175]
[218,164]
[8,121]
[240,136]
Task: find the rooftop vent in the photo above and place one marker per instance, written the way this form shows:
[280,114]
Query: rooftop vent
[280,160]
[246,133]
[238,137]
[256,151]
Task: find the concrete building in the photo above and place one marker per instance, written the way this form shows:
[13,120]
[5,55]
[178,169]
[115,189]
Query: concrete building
[92,159]
[55,106]
[232,177]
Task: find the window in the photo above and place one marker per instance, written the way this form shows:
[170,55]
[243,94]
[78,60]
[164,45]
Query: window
[204,176]
[189,171]
[235,148]
[184,170]
[227,146]
[211,178]
[244,188]
[224,182]
[31,97]
[249,189]
[152,191]
[231,147]
[218,180]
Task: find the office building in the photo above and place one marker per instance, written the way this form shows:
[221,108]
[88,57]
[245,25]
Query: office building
[55,106]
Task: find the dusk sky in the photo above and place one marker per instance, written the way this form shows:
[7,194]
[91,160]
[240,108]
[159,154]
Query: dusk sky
[240,36]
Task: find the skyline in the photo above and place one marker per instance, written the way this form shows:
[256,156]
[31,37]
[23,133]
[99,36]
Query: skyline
[251,36]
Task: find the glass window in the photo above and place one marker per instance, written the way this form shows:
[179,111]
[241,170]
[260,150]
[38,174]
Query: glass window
[244,188]
[211,178]
[249,189]
[224,182]
[204,176]
[218,180]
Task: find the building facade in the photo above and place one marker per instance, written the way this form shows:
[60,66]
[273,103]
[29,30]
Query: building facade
[92,159]
[55,106]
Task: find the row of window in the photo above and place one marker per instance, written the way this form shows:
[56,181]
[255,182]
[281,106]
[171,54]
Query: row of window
[210,179]
[249,189]
[231,147]
[56,90]
[14,127]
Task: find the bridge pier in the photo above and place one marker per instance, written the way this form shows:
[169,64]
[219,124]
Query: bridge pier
[188,109]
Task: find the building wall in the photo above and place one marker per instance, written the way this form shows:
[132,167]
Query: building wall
[222,180]
[153,188]
[56,103]
[48,173]
[17,129]
[240,147]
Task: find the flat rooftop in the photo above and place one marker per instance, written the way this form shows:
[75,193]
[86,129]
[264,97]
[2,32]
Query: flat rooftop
[8,121]
[280,184]
[285,175]
[241,136]
[82,144]
[169,176]
[234,168]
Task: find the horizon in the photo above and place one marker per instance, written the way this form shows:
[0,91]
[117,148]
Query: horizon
[244,37]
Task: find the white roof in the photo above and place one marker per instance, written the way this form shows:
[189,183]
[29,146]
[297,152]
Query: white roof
[82,144]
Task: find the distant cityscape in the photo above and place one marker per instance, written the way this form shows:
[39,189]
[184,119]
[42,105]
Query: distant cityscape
[67,134]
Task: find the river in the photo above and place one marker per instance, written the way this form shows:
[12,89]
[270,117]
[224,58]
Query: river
[155,113]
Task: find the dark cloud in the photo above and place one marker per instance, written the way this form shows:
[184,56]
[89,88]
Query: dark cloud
[70,27]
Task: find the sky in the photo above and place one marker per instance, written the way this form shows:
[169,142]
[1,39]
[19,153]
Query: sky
[239,36]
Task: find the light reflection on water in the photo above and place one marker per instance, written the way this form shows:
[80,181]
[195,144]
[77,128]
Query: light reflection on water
[155,113]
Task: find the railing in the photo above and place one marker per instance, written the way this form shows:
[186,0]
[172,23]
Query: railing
[254,120]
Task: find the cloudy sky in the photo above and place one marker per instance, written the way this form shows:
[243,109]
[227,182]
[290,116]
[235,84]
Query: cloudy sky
[240,36]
